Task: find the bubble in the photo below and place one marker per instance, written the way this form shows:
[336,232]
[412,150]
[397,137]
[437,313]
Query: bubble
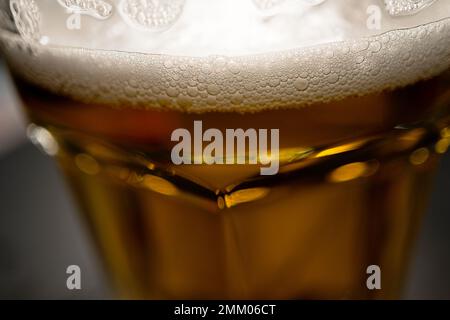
[193,92]
[175,77]
[375,47]
[333,78]
[172,92]
[406,7]
[303,75]
[182,66]
[360,59]
[233,67]
[237,99]
[133,83]
[152,15]
[301,84]
[385,39]
[250,86]
[98,9]
[275,82]
[213,89]
[201,78]
[316,81]
[27,18]
[206,68]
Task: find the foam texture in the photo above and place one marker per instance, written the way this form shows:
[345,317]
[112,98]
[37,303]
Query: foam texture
[240,83]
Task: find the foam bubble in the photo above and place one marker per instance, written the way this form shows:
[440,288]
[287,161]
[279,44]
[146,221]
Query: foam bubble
[96,8]
[27,18]
[406,7]
[150,14]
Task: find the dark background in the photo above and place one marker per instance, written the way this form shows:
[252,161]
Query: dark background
[40,234]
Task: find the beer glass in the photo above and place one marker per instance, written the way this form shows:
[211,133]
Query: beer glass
[240,149]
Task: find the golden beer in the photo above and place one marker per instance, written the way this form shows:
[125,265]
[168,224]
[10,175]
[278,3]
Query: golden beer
[360,137]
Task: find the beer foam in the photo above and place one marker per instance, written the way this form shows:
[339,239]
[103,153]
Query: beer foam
[340,58]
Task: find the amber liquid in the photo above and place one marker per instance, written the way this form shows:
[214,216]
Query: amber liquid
[353,182]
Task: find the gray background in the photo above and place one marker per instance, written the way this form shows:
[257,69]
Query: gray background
[40,234]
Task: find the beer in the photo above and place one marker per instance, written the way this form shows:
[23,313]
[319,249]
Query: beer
[361,125]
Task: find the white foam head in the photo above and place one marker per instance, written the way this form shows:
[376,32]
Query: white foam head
[203,55]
